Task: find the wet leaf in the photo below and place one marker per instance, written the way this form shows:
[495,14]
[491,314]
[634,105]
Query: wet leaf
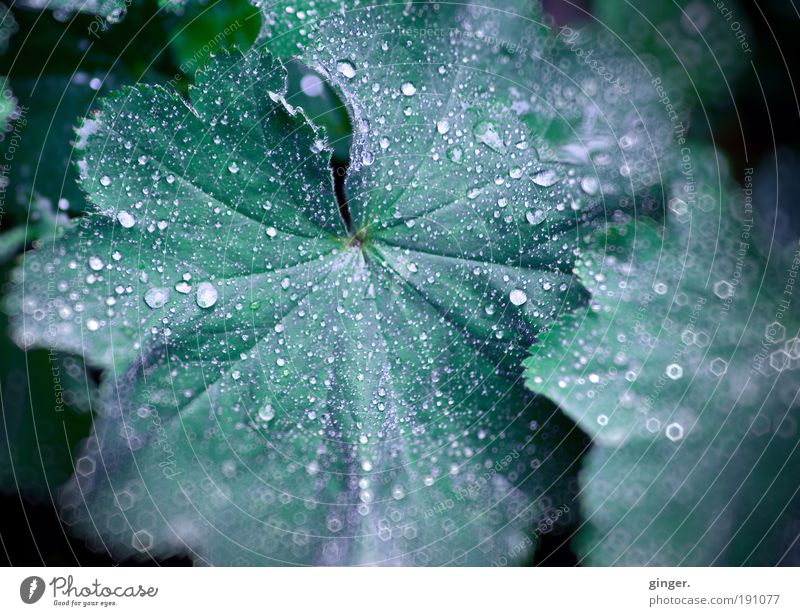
[685,372]
[292,379]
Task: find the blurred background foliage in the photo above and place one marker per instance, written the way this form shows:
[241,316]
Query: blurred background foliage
[726,65]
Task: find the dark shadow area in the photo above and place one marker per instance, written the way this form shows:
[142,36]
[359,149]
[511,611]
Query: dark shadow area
[51,545]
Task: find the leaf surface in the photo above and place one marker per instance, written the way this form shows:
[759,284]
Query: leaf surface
[685,372]
[285,384]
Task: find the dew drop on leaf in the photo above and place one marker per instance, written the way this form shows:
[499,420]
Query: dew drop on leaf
[408,89]
[486,133]
[206,294]
[126,219]
[156,297]
[517,297]
[545,178]
[535,217]
[346,68]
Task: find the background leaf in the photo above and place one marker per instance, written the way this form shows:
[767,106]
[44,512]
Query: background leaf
[684,371]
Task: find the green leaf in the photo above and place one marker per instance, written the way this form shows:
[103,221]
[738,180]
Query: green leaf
[685,373]
[291,380]
[206,28]
[588,102]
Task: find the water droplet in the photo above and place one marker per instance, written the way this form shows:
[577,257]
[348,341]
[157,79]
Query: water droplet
[95,263]
[126,219]
[346,68]
[545,178]
[312,85]
[367,158]
[408,89]
[206,294]
[536,217]
[183,287]
[486,133]
[443,126]
[455,154]
[156,297]
[105,180]
[272,231]
[674,371]
[233,167]
[590,185]
[472,193]
[517,297]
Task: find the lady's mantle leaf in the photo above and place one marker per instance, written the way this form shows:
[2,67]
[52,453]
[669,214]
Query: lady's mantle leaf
[685,371]
[285,383]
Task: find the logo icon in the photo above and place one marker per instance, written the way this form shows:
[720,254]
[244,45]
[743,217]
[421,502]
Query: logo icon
[31,589]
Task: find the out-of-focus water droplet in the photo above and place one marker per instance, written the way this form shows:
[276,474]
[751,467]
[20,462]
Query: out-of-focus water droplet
[312,85]
[266,413]
[156,297]
[443,126]
[590,185]
[545,178]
